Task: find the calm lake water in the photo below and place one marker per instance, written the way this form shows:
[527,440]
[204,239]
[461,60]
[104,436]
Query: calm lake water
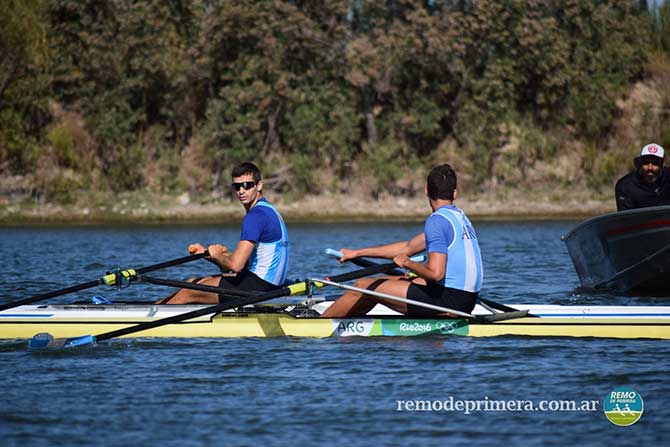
[285,391]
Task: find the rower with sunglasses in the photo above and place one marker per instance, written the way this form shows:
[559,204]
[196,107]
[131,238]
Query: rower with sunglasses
[260,259]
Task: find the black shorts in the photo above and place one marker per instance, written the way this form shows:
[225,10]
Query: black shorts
[247,281]
[439,296]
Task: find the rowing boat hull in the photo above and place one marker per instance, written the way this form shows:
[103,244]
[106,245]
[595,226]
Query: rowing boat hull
[555,321]
[624,251]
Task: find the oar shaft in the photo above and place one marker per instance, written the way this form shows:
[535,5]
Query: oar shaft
[371,270]
[236,302]
[195,286]
[171,263]
[497,306]
[294,289]
[46,296]
[98,282]
[363,262]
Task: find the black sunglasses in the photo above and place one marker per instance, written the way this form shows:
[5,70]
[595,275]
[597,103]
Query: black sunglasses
[245,185]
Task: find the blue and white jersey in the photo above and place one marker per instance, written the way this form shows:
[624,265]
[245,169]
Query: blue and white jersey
[264,226]
[449,231]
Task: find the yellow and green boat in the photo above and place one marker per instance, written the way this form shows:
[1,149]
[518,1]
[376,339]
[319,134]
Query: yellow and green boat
[72,320]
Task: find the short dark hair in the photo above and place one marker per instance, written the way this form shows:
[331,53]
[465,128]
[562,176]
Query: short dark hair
[441,182]
[246,168]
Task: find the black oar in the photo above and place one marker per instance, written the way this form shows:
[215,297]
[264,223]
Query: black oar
[363,262]
[195,286]
[109,279]
[46,341]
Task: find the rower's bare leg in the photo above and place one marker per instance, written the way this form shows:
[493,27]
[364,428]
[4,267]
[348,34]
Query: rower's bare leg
[352,302]
[355,304]
[188,296]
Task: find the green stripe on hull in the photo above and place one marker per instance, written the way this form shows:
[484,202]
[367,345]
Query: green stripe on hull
[405,328]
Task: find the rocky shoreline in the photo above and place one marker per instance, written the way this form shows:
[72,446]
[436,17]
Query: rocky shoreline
[147,208]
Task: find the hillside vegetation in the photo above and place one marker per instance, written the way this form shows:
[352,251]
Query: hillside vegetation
[327,96]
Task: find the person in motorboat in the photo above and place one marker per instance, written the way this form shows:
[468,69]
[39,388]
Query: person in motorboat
[450,278]
[260,260]
[648,185]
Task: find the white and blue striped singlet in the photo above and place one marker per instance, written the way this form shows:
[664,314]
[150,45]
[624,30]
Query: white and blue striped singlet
[448,230]
[265,227]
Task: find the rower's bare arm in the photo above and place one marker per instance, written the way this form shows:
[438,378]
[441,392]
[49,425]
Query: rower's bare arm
[235,260]
[388,251]
[431,270]
[416,245]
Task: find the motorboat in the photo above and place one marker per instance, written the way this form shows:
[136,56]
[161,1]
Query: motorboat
[627,251]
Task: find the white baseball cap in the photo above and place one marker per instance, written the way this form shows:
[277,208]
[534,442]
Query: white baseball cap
[652,149]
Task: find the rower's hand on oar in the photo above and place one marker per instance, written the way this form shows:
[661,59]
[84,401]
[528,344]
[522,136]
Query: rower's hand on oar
[347,254]
[195,249]
[401,261]
[217,250]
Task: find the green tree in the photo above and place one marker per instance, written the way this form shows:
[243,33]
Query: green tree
[23,46]
[270,62]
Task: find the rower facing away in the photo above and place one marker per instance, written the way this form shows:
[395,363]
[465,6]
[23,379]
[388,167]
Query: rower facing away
[452,276]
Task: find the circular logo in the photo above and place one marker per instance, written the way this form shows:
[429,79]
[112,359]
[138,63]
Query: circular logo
[623,406]
[653,149]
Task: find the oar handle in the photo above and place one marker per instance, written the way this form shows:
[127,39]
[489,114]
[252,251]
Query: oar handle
[334,253]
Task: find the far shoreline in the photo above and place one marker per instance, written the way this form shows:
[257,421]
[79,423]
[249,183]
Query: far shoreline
[138,209]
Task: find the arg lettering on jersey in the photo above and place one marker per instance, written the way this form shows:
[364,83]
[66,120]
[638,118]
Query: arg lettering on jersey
[469,232]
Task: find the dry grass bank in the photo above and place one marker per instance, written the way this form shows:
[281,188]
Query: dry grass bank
[148,208]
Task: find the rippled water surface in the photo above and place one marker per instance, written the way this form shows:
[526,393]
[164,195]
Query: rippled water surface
[284,391]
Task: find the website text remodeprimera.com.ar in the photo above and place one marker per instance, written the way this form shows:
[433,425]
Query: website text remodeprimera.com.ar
[486,404]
